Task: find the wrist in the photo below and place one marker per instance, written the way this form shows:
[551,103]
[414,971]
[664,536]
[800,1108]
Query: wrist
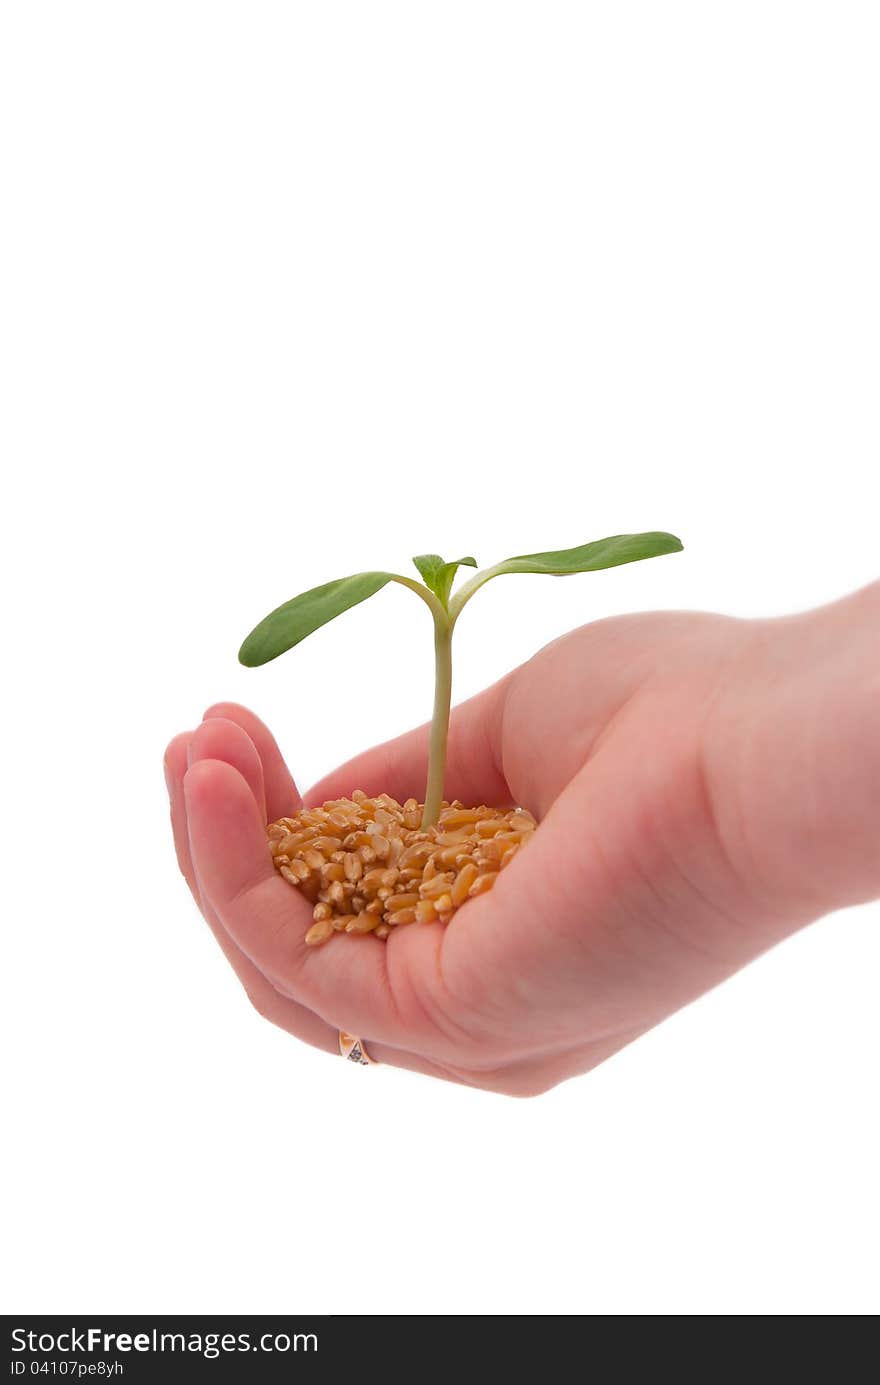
[810,745]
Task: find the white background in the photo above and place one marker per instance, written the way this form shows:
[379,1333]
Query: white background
[290,290]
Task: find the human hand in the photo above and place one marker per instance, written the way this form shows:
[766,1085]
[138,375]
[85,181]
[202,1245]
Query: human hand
[704,786]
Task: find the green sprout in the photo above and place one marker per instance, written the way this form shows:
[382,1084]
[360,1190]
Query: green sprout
[292,622]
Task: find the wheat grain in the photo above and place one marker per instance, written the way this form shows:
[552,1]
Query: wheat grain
[367,867]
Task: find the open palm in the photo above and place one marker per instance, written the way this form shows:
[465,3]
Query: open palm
[657,868]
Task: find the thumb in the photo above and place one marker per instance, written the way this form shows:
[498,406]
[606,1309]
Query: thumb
[598,917]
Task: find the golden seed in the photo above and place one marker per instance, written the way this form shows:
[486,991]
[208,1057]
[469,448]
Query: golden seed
[294,840]
[354,866]
[459,817]
[439,884]
[402,901]
[491,850]
[295,872]
[416,855]
[489,826]
[394,851]
[449,855]
[463,881]
[522,822]
[405,916]
[364,923]
[309,888]
[365,865]
[325,844]
[451,838]
[483,883]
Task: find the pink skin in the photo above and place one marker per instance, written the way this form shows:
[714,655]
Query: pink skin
[704,787]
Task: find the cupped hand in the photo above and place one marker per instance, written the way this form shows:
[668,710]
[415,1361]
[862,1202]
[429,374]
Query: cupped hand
[702,788]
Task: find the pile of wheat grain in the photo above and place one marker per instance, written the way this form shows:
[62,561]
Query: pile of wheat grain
[367,866]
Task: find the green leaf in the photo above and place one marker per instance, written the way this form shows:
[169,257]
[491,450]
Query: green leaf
[292,622]
[620,548]
[438,574]
[611,552]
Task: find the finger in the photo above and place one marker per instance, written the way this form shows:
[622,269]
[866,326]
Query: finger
[548,937]
[286,1014]
[293,1018]
[176,764]
[588,918]
[282,795]
[222,739]
[474,771]
[343,981]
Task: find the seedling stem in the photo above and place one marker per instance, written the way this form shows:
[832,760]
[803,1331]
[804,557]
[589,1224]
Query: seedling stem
[292,622]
